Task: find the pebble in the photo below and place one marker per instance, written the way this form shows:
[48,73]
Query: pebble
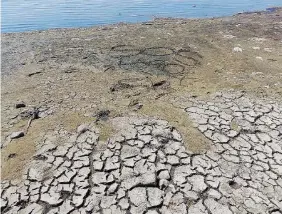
[16,135]
[237,49]
[20,105]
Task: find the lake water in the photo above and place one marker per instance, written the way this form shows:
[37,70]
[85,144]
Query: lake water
[27,15]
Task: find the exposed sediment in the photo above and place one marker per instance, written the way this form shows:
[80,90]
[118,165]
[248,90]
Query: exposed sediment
[171,116]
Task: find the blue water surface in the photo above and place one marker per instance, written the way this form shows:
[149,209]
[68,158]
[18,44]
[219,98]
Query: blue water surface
[27,15]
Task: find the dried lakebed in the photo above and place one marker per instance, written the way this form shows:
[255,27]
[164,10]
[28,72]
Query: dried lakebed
[171,116]
[146,168]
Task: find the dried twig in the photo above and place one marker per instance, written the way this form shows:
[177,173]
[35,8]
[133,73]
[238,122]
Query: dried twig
[28,125]
[33,117]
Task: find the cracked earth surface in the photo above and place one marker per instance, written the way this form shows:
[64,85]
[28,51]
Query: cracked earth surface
[145,168]
[169,116]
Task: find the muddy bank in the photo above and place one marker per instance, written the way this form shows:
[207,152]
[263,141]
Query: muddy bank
[170,116]
[141,69]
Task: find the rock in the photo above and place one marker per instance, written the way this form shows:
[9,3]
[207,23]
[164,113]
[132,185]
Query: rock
[82,128]
[16,135]
[30,113]
[12,155]
[163,183]
[237,49]
[20,105]
[161,84]
[102,115]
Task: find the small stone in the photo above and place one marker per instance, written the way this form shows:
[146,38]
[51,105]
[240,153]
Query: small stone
[82,128]
[16,135]
[20,105]
[176,135]
[163,183]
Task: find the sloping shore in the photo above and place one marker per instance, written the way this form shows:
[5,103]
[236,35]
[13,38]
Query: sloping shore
[168,116]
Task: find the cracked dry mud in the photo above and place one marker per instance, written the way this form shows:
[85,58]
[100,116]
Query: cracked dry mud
[164,117]
[145,168]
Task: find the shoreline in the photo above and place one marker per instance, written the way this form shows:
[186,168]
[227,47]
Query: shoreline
[186,114]
[266,10]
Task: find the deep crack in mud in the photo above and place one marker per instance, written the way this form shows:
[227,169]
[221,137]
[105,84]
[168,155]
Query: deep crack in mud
[147,169]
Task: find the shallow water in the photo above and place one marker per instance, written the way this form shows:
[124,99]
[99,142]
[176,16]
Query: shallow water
[27,15]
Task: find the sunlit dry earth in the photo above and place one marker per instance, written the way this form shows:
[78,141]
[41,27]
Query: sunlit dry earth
[185,114]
